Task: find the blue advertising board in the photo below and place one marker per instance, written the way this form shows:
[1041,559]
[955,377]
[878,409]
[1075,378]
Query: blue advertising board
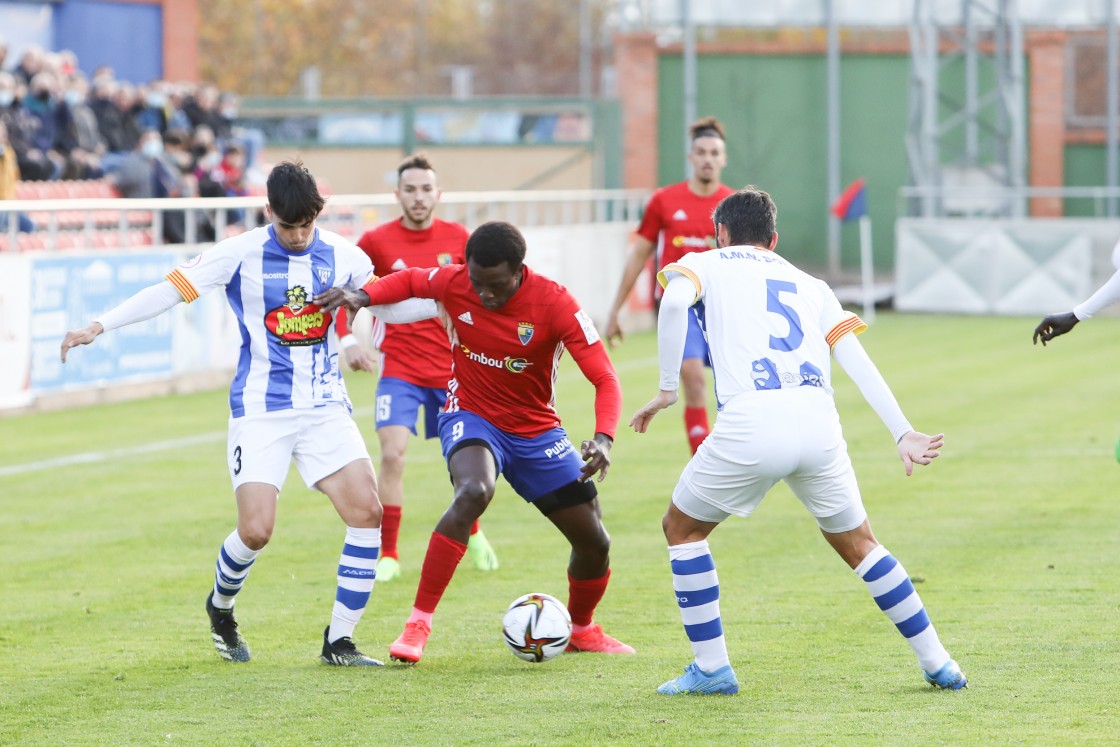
[68,292]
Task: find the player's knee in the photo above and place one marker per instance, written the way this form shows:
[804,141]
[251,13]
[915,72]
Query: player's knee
[255,534]
[368,515]
[392,461]
[471,498]
[594,545]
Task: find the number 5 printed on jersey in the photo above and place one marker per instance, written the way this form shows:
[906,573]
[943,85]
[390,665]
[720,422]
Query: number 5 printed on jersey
[763,370]
[774,304]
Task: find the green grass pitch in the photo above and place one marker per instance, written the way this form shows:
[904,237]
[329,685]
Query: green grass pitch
[105,566]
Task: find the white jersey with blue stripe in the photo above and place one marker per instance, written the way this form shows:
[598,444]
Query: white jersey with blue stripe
[768,324]
[289,348]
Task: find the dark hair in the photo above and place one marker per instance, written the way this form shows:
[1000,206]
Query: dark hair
[415,161]
[750,215]
[705,127]
[176,137]
[494,243]
[293,194]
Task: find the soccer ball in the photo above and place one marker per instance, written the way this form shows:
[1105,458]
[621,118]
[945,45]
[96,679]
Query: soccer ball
[536,627]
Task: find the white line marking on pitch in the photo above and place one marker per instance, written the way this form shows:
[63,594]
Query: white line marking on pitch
[90,457]
[105,456]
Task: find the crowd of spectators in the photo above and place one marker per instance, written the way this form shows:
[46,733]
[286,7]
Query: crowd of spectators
[158,139]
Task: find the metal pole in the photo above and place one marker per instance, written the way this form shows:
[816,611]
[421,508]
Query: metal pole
[1111,117]
[689,31]
[971,87]
[867,264]
[585,49]
[833,95]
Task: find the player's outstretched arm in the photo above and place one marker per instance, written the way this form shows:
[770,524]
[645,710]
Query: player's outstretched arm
[1053,325]
[918,448]
[143,305]
[76,337]
[642,418]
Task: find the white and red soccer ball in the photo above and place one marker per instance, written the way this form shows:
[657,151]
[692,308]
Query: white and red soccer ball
[537,627]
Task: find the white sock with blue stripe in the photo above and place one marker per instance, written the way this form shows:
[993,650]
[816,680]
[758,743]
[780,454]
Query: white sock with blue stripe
[697,588]
[357,569]
[892,590]
[235,560]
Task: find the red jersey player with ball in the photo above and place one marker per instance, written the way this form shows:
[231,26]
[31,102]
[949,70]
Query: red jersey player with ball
[415,358]
[512,325]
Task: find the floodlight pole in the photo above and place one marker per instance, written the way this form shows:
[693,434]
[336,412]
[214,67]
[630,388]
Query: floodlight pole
[1111,115]
[833,116]
[689,33]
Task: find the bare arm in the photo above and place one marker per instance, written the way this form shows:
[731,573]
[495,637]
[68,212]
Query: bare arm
[640,252]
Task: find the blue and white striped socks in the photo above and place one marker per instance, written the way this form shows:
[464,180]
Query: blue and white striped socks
[235,560]
[892,590]
[357,568]
[697,588]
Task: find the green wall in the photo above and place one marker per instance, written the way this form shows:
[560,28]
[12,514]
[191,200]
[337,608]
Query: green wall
[775,109]
[1084,167]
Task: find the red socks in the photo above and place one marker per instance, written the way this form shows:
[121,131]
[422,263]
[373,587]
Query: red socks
[584,596]
[440,561]
[390,530]
[695,426]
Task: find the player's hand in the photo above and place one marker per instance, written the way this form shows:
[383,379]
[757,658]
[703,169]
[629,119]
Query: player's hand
[76,337]
[596,455]
[359,359]
[614,331]
[332,298]
[919,448]
[1053,325]
[641,420]
[448,324]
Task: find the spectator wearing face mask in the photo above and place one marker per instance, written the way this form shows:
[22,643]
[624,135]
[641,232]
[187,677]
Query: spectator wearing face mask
[152,114]
[49,120]
[147,173]
[33,164]
[82,138]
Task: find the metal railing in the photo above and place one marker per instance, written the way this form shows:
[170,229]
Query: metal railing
[996,201]
[91,223]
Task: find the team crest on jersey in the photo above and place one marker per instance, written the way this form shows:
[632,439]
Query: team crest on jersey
[324,274]
[298,322]
[524,332]
[443,258]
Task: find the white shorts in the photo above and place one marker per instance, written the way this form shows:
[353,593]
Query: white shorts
[322,441]
[760,438]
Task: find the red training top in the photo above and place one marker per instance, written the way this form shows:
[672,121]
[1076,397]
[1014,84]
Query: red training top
[419,352]
[683,218]
[506,362]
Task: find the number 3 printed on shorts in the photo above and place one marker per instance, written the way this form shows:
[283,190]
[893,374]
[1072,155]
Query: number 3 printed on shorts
[774,304]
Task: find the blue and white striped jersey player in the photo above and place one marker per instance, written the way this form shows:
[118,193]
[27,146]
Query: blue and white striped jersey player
[771,328]
[288,399]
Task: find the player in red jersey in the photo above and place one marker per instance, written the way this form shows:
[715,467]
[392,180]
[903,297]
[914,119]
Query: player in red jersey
[681,215]
[415,358]
[511,326]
